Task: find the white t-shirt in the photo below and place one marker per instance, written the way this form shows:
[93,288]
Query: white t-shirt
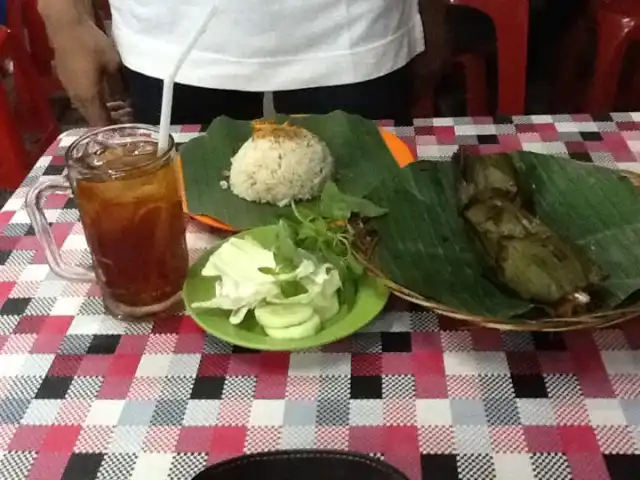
[269,45]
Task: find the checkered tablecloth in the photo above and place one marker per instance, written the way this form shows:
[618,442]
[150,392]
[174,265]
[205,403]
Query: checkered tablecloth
[83,396]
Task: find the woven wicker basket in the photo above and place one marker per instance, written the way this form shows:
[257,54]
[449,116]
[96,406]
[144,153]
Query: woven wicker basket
[592,320]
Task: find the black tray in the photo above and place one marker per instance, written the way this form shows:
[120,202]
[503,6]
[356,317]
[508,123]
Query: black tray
[302,465]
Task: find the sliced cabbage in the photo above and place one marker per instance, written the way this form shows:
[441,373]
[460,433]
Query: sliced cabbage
[241,284]
[240,258]
[248,278]
[326,307]
[322,288]
[238,315]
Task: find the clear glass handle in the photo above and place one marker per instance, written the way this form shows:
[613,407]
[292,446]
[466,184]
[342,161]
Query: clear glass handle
[34,201]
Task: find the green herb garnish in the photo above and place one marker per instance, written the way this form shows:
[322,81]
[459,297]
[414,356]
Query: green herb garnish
[322,229]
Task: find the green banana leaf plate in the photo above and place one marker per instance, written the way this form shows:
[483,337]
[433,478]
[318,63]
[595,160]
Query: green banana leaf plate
[424,247]
[422,244]
[364,155]
[370,299]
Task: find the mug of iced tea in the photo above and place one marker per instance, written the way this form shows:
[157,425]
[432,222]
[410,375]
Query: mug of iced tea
[131,212]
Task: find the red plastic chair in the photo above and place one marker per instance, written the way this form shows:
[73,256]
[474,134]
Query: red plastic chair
[471,35]
[618,23]
[102,9]
[473,68]
[511,21]
[29,115]
[23,16]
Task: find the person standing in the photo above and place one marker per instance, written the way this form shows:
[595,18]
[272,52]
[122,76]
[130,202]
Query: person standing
[315,55]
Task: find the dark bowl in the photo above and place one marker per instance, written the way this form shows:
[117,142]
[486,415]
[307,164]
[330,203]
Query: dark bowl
[302,465]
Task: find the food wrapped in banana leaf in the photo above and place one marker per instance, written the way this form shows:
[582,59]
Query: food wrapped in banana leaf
[525,254]
[493,177]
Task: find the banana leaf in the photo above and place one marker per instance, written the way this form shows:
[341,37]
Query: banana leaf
[361,156]
[424,246]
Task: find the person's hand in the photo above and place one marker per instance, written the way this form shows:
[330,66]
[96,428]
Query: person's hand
[120,112]
[84,55]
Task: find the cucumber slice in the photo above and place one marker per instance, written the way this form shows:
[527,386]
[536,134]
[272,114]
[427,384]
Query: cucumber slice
[307,329]
[283,316]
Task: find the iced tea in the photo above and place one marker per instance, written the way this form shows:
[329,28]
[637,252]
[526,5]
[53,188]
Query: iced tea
[135,226]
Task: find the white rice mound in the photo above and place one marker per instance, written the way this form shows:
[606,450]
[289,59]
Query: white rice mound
[280,164]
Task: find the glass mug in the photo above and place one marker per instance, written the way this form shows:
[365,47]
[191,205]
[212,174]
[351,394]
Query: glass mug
[131,212]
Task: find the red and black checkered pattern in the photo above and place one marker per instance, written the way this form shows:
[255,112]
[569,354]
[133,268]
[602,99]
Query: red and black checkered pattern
[83,396]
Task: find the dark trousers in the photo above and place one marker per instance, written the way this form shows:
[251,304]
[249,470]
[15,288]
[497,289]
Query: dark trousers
[384,98]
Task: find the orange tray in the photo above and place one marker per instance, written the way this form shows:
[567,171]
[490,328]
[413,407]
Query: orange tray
[396,146]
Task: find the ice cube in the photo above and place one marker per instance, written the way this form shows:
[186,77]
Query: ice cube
[95,161]
[144,148]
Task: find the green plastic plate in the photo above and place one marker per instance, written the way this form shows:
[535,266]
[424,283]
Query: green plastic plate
[370,300]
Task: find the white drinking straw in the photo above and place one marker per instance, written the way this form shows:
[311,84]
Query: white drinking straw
[167,92]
